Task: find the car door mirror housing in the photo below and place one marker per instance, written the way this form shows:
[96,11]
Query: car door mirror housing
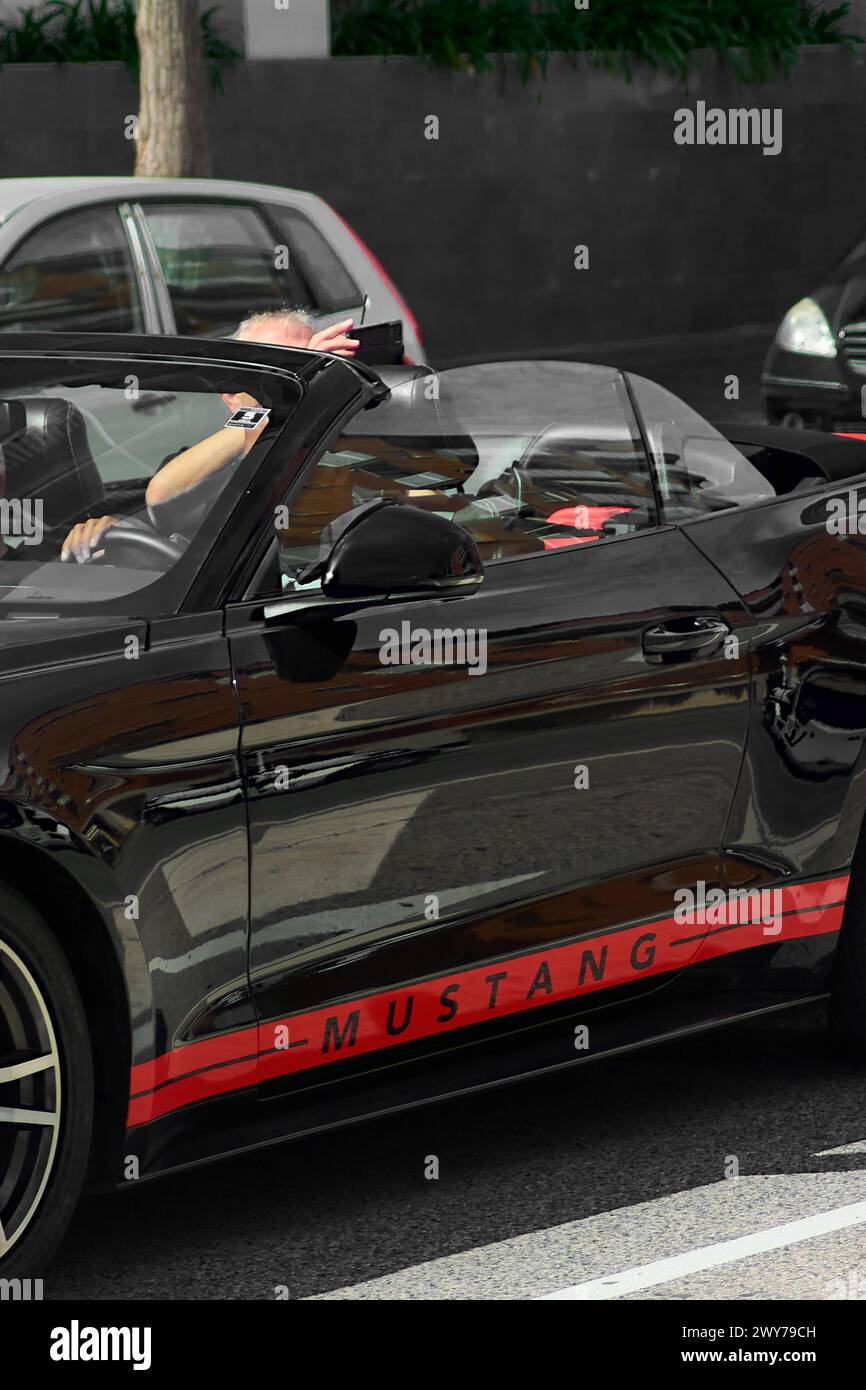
[392,549]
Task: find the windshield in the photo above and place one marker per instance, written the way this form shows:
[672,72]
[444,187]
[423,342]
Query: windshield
[116,478]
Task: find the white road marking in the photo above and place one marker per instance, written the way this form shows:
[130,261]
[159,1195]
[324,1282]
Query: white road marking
[857,1148]
[659,1230]
[712,1256]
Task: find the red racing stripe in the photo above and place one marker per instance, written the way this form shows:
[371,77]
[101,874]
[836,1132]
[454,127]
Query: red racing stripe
[514,984]
[191,1057]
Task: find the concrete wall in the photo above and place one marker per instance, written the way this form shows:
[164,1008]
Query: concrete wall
[479,226]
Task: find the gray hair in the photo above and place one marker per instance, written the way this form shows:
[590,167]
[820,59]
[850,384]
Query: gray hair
[289,318]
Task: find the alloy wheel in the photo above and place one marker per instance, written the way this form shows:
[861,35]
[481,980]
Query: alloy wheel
[30,1097]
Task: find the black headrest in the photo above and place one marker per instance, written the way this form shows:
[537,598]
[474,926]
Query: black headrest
[45,455]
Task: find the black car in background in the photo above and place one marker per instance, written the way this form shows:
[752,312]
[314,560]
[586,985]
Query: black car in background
[815,372]
[466,727]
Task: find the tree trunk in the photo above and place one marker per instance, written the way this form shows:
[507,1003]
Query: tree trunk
[172,129]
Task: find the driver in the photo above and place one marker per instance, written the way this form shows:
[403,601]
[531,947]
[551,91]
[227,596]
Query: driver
[208,459]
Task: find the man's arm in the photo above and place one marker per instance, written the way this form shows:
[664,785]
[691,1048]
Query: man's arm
[190,467]
[178,475]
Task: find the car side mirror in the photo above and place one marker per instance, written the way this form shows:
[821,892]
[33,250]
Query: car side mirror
[394,549]
[385,551]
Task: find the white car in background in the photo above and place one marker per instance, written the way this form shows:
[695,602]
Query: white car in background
[186,256]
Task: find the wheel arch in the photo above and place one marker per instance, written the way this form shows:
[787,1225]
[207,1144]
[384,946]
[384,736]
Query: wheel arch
[91,949]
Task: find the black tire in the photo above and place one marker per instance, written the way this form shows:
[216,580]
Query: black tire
[42,1166]
[809,419]
[848,996]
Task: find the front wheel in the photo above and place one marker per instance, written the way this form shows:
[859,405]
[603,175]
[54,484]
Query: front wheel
[46,1090]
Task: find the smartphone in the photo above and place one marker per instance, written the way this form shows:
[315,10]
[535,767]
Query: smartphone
[381,343]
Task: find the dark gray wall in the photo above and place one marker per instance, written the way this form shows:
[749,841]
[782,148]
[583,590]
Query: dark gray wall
[479,227]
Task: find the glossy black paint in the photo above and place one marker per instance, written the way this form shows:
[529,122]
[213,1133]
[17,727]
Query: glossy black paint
[403,784]
[257,813]
[800,797]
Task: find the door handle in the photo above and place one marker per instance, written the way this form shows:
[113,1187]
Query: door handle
[683,638]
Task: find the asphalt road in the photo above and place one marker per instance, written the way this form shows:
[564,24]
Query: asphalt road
[541,1187]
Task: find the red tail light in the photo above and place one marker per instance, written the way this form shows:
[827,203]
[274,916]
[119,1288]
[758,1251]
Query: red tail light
[383,274]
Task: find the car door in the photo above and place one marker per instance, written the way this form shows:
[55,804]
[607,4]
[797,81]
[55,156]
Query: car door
[123,726]
[445,837]
[79,270]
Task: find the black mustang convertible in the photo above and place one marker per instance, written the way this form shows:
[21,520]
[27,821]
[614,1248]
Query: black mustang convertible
[391,735]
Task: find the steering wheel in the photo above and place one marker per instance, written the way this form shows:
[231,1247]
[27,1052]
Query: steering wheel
[131,541]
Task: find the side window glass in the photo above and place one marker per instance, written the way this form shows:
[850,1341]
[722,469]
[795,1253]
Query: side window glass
[529,457]
[73,273]
[320,265]
[220,263]
[698,470]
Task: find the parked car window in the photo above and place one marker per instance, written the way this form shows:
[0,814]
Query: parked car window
[530,457]
[697,468]
[77,443]
[75,272]
[321,266]
[220,263]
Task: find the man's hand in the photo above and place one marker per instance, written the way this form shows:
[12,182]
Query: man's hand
[335,339]
[83,539]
